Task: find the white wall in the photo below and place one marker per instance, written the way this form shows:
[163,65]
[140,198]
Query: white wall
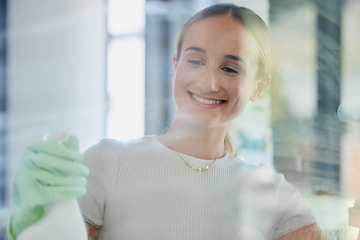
[56,60]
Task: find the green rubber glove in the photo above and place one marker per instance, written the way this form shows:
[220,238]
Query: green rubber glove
[48,172]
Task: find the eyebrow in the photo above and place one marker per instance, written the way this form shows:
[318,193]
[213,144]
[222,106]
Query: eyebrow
[235,58]
[197,49]
[227,56]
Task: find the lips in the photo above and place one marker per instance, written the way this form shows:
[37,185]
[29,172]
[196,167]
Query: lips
[206,101]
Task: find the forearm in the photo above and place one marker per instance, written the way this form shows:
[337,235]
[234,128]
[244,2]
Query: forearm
[310,232]
[92,231]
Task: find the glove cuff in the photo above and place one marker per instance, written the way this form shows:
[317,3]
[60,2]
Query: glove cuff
[20,220]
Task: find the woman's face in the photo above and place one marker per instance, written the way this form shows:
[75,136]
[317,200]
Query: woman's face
[215,74]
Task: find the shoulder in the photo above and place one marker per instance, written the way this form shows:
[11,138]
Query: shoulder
[111,146]
[106,148]
[109,150]
[265,181]
[260,175]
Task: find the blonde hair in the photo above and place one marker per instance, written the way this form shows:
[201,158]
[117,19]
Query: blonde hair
[254,25]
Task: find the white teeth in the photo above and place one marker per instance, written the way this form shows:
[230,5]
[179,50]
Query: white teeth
[206,101]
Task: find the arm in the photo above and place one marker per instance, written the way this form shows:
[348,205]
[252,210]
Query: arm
[310,232]
[92,231]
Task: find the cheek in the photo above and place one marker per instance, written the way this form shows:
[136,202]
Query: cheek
[180,81]
[240,94]
[246,88]
[238,89]
[183,77]
[180,76]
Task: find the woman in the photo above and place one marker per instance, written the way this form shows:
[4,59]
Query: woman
[186,183]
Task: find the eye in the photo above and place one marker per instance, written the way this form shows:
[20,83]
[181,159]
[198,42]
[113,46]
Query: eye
[195,62]
[229,70]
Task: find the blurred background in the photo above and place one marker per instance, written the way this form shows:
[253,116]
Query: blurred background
[96,69]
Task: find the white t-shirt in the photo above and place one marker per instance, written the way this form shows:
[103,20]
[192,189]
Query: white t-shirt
[141,189]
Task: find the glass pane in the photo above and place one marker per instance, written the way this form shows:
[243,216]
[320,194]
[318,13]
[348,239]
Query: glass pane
[126,88]
[126,16]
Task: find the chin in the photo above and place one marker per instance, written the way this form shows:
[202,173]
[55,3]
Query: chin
[205,121]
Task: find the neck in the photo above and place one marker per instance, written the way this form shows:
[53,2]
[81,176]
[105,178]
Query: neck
[204,143]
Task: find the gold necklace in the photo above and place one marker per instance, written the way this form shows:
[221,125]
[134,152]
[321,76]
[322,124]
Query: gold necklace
[195,168]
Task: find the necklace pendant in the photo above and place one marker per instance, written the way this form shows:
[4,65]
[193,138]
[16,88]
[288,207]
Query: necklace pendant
[195,168]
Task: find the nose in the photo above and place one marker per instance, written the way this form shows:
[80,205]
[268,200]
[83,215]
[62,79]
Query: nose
[209,81]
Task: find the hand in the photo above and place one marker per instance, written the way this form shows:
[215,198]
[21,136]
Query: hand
[48,172]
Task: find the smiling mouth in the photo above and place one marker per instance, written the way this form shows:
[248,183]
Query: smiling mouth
[206,101]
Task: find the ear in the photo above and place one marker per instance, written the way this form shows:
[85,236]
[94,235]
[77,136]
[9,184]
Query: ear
[174,60]
[260,86]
